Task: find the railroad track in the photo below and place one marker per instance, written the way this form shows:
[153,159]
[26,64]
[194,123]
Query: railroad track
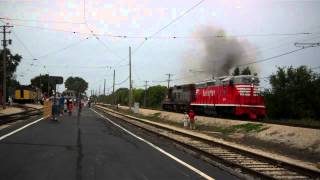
[248,162]
[29,112]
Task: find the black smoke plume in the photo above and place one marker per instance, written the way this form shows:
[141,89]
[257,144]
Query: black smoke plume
[214,53]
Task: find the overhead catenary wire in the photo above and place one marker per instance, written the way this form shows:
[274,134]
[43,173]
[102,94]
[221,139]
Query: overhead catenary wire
[167,25]
[63,48]
[273,57]
[40,21]
[96,37]
[164,37]
[23,45]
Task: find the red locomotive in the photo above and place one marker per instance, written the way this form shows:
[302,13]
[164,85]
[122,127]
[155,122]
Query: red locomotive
[227,95]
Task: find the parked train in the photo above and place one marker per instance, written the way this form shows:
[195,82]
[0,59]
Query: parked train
[28,94]
[227,95]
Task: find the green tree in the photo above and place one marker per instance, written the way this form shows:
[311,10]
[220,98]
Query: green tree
[138,96]
[236,72]
[41,81]
[12,64]
[76,84]
[295,94]
[246,71]
[156,94]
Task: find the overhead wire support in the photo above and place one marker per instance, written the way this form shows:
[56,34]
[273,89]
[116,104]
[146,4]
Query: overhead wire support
[169,79]
[145,94]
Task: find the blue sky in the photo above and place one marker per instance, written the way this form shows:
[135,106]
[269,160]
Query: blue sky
[49,37]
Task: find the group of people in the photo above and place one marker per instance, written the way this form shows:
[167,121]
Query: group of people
[189,119]
[62,104]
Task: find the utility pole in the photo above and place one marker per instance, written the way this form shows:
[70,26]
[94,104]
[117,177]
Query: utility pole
[104,87]
[40,82]
[114,83]
[48,85]
[145,94]
[130,81]
[169,79]
[4,80]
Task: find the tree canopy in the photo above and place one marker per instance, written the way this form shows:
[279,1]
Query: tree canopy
[245,71]
[154,95]
[41,81]
[76,84]
[12,64]
[295,93]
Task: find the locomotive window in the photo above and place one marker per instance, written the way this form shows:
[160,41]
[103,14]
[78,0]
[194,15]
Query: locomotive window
[202,85]
[212,83]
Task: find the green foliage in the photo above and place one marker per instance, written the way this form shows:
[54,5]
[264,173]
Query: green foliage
[236,72]
[12,64]
[246,71]
[295,94]
[155,96]
[77,84]
[138,96]
[41,81]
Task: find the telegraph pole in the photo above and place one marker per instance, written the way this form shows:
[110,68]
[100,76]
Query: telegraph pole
[114,82]
[130,81]
[104,87]
[169,76]
[145,94]
[4,80]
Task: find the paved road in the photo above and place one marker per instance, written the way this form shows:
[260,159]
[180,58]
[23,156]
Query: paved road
[88,147]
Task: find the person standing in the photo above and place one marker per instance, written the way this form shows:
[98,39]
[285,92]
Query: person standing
[185,120]
[61,105]
[192,116]
[69,106]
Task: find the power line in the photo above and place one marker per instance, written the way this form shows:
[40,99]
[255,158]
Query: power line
[273,57]
[165,37]
[41,21]
[63,48]
[94,35]
[164,27]
[24,46]
[125,80]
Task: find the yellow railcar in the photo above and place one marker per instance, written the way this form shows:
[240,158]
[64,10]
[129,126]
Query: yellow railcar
[27,94]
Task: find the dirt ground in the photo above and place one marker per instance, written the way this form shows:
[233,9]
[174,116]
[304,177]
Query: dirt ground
[296,142]
[37,106]
[10,110]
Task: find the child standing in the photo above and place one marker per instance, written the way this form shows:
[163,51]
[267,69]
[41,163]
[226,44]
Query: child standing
[185,120]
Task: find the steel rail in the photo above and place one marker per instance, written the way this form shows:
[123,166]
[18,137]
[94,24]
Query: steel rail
[4,119]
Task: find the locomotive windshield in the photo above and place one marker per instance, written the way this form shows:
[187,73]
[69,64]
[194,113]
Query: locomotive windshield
[246,80]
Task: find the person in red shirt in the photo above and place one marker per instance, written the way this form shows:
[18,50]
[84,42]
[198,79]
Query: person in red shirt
[192,116]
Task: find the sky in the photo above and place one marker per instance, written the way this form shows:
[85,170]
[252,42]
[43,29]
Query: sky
[91,38]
